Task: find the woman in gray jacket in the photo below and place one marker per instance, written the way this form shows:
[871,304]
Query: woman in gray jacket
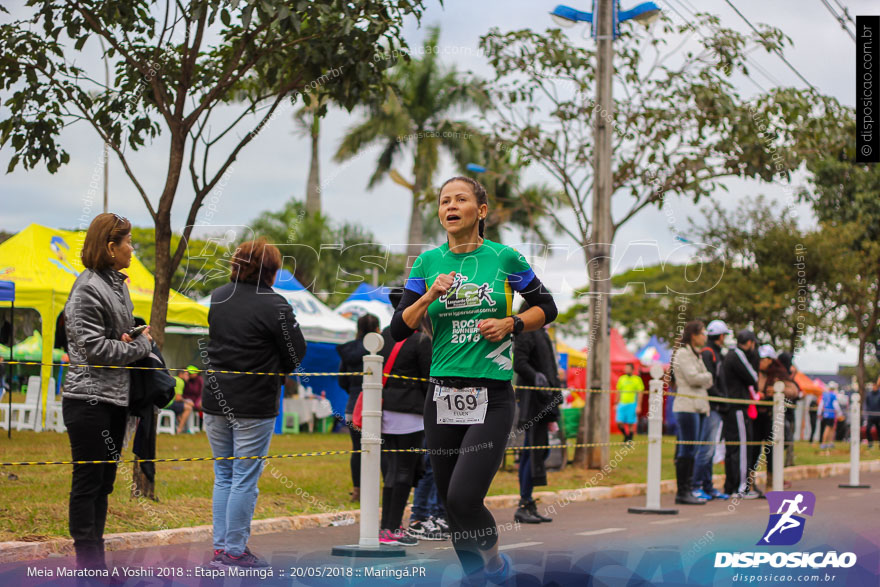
[98,318]
[692,381]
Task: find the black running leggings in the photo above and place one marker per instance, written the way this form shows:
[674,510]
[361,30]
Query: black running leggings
[465,459]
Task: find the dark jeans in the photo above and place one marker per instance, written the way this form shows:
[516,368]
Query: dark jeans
[398,471]
[525,475]
[426,501]
[95,433]
[705,453]
[690,425]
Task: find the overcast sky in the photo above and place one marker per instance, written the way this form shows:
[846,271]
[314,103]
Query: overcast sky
[274,167]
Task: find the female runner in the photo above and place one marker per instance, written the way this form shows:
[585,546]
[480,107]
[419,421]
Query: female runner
[466,287]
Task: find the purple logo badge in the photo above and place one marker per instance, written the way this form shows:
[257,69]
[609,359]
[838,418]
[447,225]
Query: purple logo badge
[786,525]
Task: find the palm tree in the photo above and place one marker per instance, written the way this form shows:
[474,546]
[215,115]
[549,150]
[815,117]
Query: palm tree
[308,121]
[414,119]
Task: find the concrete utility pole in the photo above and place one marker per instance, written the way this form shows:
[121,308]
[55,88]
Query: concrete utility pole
[598,405]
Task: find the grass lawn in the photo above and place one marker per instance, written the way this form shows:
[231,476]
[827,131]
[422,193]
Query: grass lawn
[34,498]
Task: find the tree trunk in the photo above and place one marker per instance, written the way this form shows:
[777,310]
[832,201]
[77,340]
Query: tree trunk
[416,236]
[164,269]
[313,187]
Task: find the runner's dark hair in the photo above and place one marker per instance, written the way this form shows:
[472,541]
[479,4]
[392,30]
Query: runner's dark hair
[478,190]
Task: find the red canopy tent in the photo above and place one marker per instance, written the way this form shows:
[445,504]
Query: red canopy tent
[620,356]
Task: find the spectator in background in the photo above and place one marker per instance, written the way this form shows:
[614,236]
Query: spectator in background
[535,365]
[786,359]
[872,410]
[177,405]
[712,355]
[98,318]
[403,426]
[771,370]
[829,408]
[739,374]
[351,356]
[691,406]
[627,412]
[192,396]
[251,328]
[427,519]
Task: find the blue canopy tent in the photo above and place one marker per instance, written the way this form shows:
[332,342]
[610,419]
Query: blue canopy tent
[323,330]
[656,351]
[368,299]
[7,294]
[366,293]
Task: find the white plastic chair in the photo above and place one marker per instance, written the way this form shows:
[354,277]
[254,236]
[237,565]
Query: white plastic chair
[54,416]
[194,422]
[28,416]
[167,422]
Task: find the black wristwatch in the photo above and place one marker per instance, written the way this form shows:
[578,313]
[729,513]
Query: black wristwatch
[518,325]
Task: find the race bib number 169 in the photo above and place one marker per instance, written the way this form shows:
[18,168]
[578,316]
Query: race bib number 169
[461,406]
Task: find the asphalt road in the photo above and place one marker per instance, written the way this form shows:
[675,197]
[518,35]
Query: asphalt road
[588,543]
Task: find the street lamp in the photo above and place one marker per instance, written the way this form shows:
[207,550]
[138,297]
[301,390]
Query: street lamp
[645,13]
[604,21]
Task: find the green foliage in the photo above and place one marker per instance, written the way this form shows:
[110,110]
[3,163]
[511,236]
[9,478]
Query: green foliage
[753,268]
[844,196]
[174,63]
[204,268]
[677,128]
[416,118]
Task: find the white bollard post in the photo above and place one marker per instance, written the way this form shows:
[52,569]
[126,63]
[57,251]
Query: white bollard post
[655,448]
[855,434]
[371,446]
[778,455]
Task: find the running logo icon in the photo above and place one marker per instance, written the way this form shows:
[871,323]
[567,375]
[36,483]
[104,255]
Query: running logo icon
[786,525]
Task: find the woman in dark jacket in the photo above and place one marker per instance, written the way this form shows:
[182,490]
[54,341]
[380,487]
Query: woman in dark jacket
[535,364]
[97,319]
[403,425]
[352,361]
[253,329]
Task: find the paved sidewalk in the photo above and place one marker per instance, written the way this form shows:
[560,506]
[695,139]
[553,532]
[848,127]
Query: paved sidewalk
[597,539]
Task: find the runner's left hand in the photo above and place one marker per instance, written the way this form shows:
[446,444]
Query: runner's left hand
[494,330]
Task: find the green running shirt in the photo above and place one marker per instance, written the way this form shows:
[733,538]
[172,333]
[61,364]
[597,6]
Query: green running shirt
[483,288]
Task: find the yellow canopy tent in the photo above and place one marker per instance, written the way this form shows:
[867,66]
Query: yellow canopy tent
[44,262]
[576,358]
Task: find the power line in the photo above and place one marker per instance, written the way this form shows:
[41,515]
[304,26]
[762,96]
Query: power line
[839,18]
[688,21]
[687,6]
[845,11]
[775,49]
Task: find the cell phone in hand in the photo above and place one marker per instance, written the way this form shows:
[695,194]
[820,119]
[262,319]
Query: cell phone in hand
[136,331]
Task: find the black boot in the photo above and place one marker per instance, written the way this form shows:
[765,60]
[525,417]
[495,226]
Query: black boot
[533,509]
[684,469]
[523,514]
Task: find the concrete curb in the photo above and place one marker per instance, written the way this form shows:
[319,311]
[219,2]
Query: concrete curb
[23,551]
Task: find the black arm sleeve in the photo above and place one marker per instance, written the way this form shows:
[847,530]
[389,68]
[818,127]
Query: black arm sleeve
[537,295]
[399,329]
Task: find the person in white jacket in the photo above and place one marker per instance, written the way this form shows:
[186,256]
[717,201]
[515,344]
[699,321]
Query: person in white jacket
[691,406]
